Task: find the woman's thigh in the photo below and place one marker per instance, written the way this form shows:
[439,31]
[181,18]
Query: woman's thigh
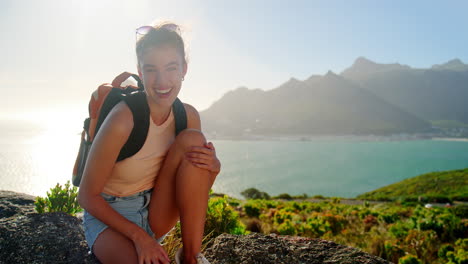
[113,247]
[163,210]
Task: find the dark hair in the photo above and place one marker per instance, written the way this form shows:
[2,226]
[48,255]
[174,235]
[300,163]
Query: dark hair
[163,34]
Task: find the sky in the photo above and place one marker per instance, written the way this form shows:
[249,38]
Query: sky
[56,52]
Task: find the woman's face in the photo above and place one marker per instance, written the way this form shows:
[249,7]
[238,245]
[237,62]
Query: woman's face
[161,70]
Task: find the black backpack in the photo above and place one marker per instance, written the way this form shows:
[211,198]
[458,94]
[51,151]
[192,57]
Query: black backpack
[102,102]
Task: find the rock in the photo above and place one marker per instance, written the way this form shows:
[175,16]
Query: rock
[28,237]
[265,249]
[13,204]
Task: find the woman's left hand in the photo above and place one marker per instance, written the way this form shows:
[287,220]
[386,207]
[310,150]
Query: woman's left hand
[204,158]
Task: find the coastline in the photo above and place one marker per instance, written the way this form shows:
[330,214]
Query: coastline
[366,138]
[450,139]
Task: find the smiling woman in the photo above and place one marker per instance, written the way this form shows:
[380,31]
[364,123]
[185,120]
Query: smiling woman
[132,203]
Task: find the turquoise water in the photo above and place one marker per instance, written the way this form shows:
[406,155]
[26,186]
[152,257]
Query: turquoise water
[330,168]
[335,167]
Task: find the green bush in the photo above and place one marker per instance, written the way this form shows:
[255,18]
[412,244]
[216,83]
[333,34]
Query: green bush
[253,193]
[287,228]
[281,215]
[233,201]
[59,199]
[222,218]
[442,253]
[303,196]
[253,208]
[314,227]
[460,210]
[392,252]
[318,196]
[409,259]
[284,196]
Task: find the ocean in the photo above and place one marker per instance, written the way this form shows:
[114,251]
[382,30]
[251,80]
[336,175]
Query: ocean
[34,162]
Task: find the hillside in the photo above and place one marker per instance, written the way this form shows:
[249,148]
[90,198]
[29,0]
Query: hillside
[435,185]
[328,104]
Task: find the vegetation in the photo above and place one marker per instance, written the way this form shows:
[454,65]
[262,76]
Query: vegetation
[448,124]
[442,187]
[398,233]
[253,193]
[221,217]
[401,230]
[59,199]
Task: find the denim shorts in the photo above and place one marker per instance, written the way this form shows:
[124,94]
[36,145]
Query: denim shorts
[134,208]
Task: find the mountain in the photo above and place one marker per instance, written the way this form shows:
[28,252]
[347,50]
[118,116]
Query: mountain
[363,67]
[328,104]
[437,93]
[454,65]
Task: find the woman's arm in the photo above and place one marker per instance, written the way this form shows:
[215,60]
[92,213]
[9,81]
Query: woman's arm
[103,154]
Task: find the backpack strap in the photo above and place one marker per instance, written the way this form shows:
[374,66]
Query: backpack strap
[137,103]
[113,98]
[180,116]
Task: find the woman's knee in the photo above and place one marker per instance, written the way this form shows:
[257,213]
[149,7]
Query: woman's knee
[189,138]
[112,247]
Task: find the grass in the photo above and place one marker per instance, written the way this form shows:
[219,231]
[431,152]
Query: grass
[435,187]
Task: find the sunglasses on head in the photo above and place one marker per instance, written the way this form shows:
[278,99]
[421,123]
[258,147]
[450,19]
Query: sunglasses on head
[143,30]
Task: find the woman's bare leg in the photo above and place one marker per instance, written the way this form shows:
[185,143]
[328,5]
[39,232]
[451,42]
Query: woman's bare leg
[113,247]
[181,190]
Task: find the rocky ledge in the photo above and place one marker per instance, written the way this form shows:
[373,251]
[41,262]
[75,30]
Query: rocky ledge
[28,237]
[273,249]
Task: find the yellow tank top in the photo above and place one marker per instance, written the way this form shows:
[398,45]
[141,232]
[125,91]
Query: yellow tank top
[138,172]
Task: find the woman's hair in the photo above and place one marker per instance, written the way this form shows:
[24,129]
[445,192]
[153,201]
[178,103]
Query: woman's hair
[166,33]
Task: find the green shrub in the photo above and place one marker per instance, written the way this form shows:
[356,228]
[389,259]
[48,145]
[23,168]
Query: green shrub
[222,218]
[281,215]
[253,193]
[389,218]
[299,207]
[318,196]
[253,208]
[400,229]
[336,200]
[444,250]
[233,201]
[460,210]
[287,228]
[423,244]
[284,196]
[303,196]
[314,227]
[59,199]
[392,252]
[409,259]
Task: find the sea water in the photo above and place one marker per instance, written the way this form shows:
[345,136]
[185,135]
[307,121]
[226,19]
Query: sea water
[332,167]
[34,162]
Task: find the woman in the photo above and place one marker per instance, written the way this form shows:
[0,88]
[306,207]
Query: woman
[169,179]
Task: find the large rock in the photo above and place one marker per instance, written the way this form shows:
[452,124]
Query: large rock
[265,249]
[28,237]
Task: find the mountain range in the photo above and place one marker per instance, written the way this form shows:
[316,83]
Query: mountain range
[366,98]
